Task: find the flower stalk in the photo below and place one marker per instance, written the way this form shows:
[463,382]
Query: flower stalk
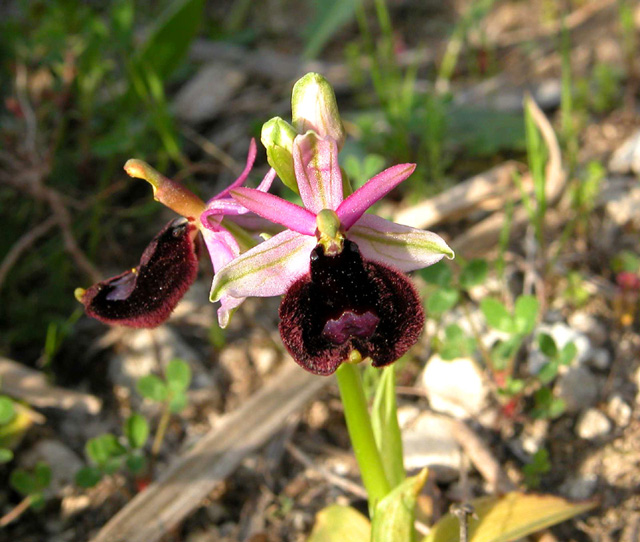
[356,414]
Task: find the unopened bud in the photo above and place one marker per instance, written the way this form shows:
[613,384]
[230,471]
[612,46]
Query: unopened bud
[314,107]
[277,137]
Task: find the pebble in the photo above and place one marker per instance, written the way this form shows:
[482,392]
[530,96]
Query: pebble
[600,359]
[429,442]
[619,410]
[63,461]
[455,387]
[578,387]
[623,210]
[626,158]
[579,488]
[589,325]
[592,424]
[208,93]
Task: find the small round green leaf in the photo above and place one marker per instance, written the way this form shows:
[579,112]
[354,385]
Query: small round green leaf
[439,274]
[441,301]
[88,476]
[152,387]
[22,481]
[547,345]
[36,500]
[178,374]
[42,475]
[178,402]
[101,449]
[526,313]
[474,273]
[7,410]
[136,462]
[136,430]
[6,455]
[497,315]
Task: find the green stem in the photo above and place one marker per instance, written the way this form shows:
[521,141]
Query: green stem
[358,421]
[162,429]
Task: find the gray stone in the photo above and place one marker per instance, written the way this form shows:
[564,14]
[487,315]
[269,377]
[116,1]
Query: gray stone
[578,388]
[592,424]
[579,488]
[589,325]
[455,387]
[429,442]
[207,94]
[626,158]
[600,359]
[623,209]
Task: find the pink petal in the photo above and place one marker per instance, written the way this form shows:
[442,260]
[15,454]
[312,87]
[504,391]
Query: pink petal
[267,181]
[266,270]
[396,245]
[251,157]
[221,245]
[277,210]
[317,171]
[352,208]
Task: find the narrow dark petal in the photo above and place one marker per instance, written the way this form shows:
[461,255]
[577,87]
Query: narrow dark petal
[144,297]
[347,303]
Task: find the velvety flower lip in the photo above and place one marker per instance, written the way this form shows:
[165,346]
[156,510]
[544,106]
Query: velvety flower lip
[347,304]
[146,295]
[252,273]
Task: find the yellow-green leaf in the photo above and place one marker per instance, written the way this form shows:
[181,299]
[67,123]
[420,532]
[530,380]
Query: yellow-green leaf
[340,524]
[512,516]
[394,516]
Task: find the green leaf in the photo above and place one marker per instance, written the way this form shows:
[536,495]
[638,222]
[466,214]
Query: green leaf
[394,515]
[136,462]
[6,455]
[36,500]
[136,430]
[178,375]
[441,301]
[547,345]
[22,481]
[152,387]
[42,475]
[7,410]
[567,353]
[510,517]
[88,476]
[178,402]
[439,274]
[170,39]
[386,431]
[526,314]
[331,16]
[497,315]
[548,372]
[474,273]
[456,343]
[101,449]
[503,351]
[340,524]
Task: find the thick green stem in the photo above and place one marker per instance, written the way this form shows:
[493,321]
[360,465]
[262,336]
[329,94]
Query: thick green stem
[358,420]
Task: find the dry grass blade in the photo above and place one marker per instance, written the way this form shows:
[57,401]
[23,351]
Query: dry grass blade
[165,503]
[31,386]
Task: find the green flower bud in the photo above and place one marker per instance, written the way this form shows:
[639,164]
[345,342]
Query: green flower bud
[314,107]
[277,137]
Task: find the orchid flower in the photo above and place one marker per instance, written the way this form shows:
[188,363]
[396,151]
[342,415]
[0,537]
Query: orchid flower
[146,295]
[341,270]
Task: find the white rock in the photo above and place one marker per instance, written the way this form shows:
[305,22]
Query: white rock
[578,388]
[592,424]
[623,210]
[626,159]
[455,387]
[429,442]
[63,461]
[589,325]
[619,410]
[207,94]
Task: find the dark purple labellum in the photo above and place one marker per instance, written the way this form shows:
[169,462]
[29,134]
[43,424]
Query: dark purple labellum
[144,297]
[348,303]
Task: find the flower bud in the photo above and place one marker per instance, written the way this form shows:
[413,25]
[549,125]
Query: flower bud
[277,137]
[314,107]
